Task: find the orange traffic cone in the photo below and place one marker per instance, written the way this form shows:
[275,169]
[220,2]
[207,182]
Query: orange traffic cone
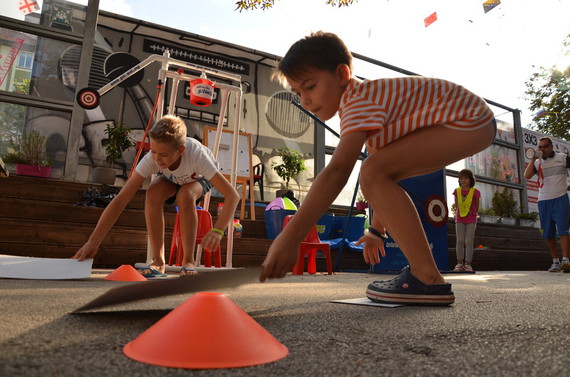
[208,331]
[125,273]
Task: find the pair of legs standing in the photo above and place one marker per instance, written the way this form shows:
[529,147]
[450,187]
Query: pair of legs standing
[554,221]
[186,196]
[465,234]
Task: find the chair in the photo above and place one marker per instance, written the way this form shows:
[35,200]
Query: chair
[258,172]
[309,247]
[204,226]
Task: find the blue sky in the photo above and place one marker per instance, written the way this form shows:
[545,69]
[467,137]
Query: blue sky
[492,54]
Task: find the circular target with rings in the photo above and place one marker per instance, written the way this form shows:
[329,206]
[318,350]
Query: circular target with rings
[436,210]
[88,98]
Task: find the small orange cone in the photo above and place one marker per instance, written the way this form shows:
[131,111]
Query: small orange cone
[208,331]
[125,273]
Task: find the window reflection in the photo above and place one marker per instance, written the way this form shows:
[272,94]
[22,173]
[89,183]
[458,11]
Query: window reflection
[19,120]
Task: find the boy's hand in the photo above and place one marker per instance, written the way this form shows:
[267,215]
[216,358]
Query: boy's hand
[211,240]
[371,247]
[87,251]
[281,258]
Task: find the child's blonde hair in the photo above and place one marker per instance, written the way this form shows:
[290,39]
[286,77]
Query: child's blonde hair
[171,130]
[319,50]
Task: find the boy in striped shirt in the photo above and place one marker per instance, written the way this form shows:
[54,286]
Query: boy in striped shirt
[410,126]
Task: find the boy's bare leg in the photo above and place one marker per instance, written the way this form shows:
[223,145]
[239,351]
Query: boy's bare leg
[186,200]
[421,152]
[158,191]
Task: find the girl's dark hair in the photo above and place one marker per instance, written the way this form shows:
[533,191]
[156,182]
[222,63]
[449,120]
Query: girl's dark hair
[319,50]
[469,174]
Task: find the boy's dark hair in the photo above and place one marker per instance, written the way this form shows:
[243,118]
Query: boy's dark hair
[319,50]
[469,174]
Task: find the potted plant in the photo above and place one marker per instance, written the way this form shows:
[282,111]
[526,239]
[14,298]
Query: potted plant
[488,216]
[28,154]
[292,164]
[527,219]
[505,206]
[118,140]
[361,203]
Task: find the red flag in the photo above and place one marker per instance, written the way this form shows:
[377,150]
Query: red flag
[431,19]
[28,6]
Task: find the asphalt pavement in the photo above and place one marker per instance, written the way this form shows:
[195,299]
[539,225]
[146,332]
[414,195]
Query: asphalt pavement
[502,324]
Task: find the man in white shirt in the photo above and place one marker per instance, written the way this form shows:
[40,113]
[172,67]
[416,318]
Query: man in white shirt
[553,203]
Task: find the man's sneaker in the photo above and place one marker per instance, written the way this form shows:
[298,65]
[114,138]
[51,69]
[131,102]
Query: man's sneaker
[554,268]
[565,266]
[468,268]
[459,268]
[405,289]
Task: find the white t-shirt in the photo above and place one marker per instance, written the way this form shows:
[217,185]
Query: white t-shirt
[552,176]
[197,162]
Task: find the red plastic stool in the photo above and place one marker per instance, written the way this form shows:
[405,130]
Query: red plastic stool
[309,247]
[204,226]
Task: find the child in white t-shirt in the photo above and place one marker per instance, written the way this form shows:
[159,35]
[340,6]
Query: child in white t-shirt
[185,169]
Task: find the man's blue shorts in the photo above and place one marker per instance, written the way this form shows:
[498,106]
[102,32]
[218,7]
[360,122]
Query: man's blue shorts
[554,216]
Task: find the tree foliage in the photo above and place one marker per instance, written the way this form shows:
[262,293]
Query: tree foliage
[265,4]
[549,95]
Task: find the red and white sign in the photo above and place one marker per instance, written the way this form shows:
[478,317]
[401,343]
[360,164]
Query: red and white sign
[28,6]
[430,19]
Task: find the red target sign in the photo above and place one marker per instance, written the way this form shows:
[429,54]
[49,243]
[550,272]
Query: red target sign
[88,98]
[436,210]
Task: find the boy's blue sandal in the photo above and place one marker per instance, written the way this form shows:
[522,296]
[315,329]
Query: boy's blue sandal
[186,269]
[405,289]
[153,273]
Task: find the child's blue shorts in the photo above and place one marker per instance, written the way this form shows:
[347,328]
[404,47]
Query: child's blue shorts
[554,216]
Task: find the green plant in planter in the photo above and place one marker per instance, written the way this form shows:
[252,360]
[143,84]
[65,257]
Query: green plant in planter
[118,140]
[488,211]
[504,203]
[533,216]
[29,149]
[293,164]
[361,202]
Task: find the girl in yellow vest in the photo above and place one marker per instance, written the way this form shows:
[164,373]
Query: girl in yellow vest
[466,204]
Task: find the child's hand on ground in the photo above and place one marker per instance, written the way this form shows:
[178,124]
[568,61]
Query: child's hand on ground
[281,258]
[371,247]
[87,251]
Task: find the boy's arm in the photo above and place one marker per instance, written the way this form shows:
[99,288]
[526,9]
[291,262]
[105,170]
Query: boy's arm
[231,200]
[110,216]
[282,254]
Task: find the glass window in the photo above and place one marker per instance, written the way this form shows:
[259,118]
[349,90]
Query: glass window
[53,64]
[497,162]
[505,124]
[62,15]
[25,60]
[345,196]
[487,191]
[17,120]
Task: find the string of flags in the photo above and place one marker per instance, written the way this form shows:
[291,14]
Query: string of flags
[490,4]
[487,6]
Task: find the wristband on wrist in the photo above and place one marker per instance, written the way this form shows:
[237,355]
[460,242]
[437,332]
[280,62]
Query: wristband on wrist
[374,233]
[218,231]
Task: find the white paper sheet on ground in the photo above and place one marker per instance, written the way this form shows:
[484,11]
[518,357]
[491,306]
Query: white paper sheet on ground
[365,301]
[44,268]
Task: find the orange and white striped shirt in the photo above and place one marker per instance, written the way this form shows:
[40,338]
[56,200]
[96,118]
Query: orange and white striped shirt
[391,108]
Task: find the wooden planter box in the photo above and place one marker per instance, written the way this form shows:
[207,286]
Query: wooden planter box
[33,170]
